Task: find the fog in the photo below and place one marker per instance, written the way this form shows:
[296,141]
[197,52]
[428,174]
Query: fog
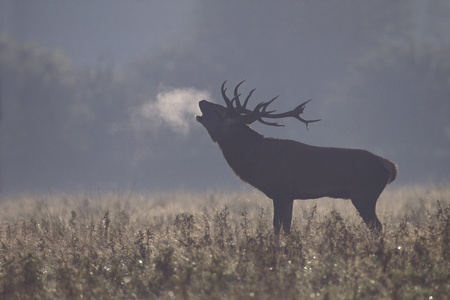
[102,95]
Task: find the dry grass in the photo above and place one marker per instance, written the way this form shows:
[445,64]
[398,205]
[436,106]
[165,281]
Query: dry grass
[222,246]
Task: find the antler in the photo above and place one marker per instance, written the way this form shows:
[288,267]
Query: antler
[226,99]
[260,111]
[295,113]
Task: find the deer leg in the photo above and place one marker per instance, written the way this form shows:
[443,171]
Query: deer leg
[282,215]
[287,215]
[277,215]
[366,208]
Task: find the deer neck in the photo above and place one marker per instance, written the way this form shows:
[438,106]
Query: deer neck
[241,150]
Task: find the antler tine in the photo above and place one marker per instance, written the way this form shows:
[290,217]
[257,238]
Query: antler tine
[299,110]
[239,107]
[266,104]
[269,123]
[307,121]
[225,98]
[248,97]
[237,87]
[302,106]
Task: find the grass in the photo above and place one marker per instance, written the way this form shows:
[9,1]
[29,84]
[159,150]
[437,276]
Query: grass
[222,246]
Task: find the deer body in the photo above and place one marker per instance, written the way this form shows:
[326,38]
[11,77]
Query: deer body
[286,170]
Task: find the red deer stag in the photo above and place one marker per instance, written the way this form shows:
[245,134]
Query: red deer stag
[286,170]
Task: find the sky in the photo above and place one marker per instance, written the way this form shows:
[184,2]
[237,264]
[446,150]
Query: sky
[101,95]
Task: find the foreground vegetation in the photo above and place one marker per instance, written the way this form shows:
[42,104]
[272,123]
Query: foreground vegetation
[222,246]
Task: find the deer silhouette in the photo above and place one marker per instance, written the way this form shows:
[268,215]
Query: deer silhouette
[286,170]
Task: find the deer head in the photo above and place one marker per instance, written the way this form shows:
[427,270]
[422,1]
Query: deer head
[219,120]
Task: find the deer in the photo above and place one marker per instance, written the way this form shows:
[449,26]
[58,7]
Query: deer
[287,170]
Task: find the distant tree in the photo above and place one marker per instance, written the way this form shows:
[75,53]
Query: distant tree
[56,118]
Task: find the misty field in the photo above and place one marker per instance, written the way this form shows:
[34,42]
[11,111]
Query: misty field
[221,246]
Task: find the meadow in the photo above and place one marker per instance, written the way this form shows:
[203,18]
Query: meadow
[216,245]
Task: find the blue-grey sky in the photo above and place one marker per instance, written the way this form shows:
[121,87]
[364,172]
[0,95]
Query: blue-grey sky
[102,94]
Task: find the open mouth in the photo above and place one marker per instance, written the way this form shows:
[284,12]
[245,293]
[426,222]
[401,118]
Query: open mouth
[200,104]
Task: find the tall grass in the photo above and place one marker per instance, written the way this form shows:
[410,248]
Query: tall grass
[222,246]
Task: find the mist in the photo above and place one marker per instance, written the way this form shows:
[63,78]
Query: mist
[173,107]
[110,102]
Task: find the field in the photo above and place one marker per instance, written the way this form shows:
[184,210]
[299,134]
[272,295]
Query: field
[221,246]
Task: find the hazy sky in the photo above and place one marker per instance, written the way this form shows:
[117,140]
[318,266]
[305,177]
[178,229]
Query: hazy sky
[102,94]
